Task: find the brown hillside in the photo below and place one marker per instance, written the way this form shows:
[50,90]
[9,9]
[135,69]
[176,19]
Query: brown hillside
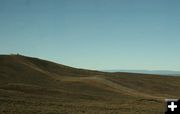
[34,86]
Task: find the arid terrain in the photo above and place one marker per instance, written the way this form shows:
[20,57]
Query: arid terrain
[34,86]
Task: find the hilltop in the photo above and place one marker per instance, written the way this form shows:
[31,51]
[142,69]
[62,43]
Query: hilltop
[31,85]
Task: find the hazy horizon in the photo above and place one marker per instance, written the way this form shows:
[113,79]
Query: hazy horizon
[94,34]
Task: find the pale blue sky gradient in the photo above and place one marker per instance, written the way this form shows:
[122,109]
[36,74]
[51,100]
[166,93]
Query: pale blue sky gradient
[94,34]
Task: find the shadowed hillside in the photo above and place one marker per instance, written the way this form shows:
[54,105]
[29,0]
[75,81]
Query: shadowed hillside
[34,86]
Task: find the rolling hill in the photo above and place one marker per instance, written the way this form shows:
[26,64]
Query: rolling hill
[158,72]
[33,86]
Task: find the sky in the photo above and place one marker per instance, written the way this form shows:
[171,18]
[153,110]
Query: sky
[94,34]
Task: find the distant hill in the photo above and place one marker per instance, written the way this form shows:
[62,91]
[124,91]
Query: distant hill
[34,86]
[158,72]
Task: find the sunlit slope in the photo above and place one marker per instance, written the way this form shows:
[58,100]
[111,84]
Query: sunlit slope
[31,85]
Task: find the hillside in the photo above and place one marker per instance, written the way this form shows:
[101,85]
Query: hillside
[34,86]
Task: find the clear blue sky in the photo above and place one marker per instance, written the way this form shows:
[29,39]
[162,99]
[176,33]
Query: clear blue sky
[94,34]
